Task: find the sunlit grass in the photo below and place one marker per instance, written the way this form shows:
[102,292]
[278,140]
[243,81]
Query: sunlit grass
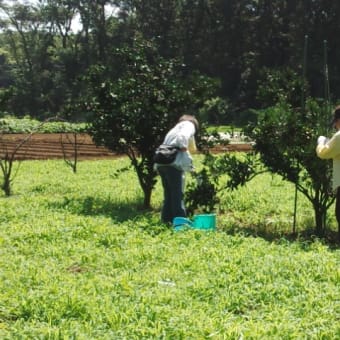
[79,259]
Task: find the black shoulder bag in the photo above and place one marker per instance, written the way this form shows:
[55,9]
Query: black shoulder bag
[165,154]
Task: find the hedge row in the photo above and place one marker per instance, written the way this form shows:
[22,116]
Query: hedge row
[28,125]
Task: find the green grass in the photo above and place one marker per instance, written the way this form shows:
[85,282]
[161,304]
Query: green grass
[80,260]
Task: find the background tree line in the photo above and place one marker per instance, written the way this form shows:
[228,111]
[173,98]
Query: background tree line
[241,43]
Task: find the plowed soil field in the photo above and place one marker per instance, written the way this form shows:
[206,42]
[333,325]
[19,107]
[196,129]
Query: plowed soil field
[64,145]
[52,146]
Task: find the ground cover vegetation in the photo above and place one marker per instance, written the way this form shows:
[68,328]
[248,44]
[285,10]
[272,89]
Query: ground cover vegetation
[79,259]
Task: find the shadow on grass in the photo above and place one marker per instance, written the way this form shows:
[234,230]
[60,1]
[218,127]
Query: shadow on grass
[93,206]
[145,219]
[133,213]
[305,237]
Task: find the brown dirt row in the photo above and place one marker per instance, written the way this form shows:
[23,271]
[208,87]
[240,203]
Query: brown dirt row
[60,145]
[52,146]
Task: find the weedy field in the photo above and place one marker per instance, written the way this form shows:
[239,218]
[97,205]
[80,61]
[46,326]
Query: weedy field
[79,259]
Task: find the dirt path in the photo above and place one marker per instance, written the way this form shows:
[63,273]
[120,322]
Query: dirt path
[56,145]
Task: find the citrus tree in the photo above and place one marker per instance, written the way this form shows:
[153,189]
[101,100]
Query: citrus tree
[132,114]
[285,139]
[284,143]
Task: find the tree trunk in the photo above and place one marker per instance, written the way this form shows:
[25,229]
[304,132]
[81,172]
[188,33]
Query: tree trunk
[320,218]
[6,185]
[146,180]
[147,197]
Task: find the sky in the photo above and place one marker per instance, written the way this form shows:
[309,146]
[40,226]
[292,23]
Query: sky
[76,25]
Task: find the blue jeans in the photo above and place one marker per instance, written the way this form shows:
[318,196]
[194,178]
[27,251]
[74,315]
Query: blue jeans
[173,189]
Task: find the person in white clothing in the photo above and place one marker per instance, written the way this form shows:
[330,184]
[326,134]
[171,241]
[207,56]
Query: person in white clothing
[173,175]
[330,149]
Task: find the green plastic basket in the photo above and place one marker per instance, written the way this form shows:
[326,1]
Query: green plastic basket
[205,221]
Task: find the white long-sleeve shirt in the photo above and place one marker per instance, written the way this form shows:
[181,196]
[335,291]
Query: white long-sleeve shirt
[182,136]
[330,149]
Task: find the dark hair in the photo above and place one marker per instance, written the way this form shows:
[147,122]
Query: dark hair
[191,119]
[336,114]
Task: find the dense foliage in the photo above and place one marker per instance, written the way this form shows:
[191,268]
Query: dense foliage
[278,139]
[43,58]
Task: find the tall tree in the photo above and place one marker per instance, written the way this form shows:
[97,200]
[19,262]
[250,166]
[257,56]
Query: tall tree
[94,34]
[29,47]
[59,16]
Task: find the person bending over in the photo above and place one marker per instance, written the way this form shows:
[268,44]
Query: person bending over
[173,175]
